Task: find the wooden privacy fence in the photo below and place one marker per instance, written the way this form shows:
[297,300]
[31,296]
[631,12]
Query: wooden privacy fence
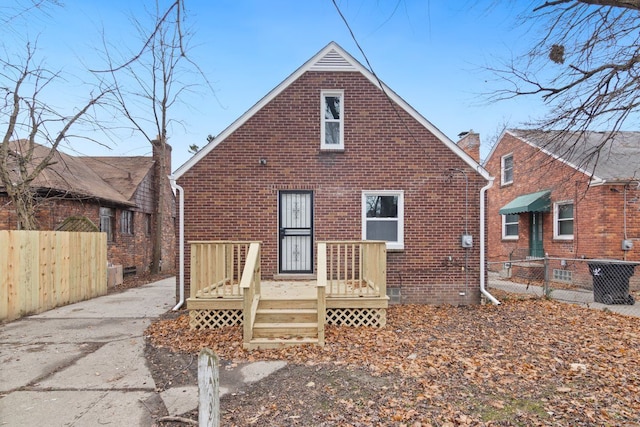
[40,270]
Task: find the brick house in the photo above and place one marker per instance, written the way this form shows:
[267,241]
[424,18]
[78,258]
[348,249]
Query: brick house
[560,201]
[110,194]
[333,154]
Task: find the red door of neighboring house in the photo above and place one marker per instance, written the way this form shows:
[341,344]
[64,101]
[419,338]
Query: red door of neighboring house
[296,232]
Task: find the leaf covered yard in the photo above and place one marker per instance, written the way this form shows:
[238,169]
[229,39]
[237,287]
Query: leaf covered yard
[526,362]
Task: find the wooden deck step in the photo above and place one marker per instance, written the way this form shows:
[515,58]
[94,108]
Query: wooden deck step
[287,310]
[300,303]
[286,315]
[286,330]
[284,325]
[271,343]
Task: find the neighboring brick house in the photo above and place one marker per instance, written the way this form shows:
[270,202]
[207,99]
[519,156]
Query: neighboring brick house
[333,154]
[551,198]
[111,194]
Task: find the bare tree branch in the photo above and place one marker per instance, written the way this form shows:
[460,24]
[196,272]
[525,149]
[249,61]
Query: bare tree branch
[27,125]
[585,66]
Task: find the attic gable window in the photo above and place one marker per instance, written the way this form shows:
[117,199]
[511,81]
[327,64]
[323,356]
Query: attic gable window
[332,126]
[506,169]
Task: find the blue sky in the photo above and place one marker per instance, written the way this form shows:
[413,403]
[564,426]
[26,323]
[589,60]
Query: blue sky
[431,53]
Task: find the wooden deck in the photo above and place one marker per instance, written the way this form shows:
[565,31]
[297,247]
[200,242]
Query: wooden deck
[226,289]
[287,290]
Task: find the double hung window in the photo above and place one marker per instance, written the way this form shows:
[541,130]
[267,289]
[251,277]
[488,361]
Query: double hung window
[563,220]
[510,226]
[506,169]
[332,128]
[383,217]
[107,220]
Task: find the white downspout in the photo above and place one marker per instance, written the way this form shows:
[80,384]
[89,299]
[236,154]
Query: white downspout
[178,188]
[483,289]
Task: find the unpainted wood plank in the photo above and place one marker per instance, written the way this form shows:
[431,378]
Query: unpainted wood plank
[62,268]
[4,275]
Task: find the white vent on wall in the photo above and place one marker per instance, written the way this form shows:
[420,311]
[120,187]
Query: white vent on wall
[333,61]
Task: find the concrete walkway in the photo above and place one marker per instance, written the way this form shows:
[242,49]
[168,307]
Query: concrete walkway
[83,364]
[580,296]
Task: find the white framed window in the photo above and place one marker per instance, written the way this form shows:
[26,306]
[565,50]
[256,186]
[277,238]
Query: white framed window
[332,126]
[563,220]
[506,169]
[510,226]
[126,222]
[383,217]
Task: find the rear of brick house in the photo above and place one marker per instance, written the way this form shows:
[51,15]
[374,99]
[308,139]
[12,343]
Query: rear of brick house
[355,162]
[583,210]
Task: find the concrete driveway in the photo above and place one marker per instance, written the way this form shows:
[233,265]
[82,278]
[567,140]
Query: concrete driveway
[82,364]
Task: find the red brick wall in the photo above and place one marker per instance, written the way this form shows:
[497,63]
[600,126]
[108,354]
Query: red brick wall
[598,211]
[230,196]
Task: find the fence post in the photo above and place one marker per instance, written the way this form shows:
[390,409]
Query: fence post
[546,275]
[208,389]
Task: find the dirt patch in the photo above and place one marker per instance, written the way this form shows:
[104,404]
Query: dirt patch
[527,362]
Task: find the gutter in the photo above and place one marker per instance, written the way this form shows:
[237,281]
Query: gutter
[176,187]
[483,289]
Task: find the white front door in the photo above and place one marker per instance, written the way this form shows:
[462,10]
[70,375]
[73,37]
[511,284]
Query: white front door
[296,231]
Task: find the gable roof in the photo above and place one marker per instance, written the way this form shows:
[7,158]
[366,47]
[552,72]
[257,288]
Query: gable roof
[331,58]
[122,173]
[82,176]
[601,155]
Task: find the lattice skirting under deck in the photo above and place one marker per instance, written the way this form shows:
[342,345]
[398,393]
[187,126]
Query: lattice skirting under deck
[375,317]
[210,319]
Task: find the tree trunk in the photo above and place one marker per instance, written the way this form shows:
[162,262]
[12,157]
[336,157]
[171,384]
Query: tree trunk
[23,200]
[161,176]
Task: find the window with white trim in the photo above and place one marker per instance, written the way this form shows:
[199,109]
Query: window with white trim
[510,226]
[332,126]
[563,220]
[506,168]
[383,217]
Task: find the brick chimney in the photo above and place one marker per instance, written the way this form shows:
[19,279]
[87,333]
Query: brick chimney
[161,185]
[157,154]
[470,143]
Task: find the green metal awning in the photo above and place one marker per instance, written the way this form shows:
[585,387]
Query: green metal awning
[534,202]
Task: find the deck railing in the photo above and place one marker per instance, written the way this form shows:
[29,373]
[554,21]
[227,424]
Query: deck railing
[250,284]
[322,290]
[355,268]
[216,268]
